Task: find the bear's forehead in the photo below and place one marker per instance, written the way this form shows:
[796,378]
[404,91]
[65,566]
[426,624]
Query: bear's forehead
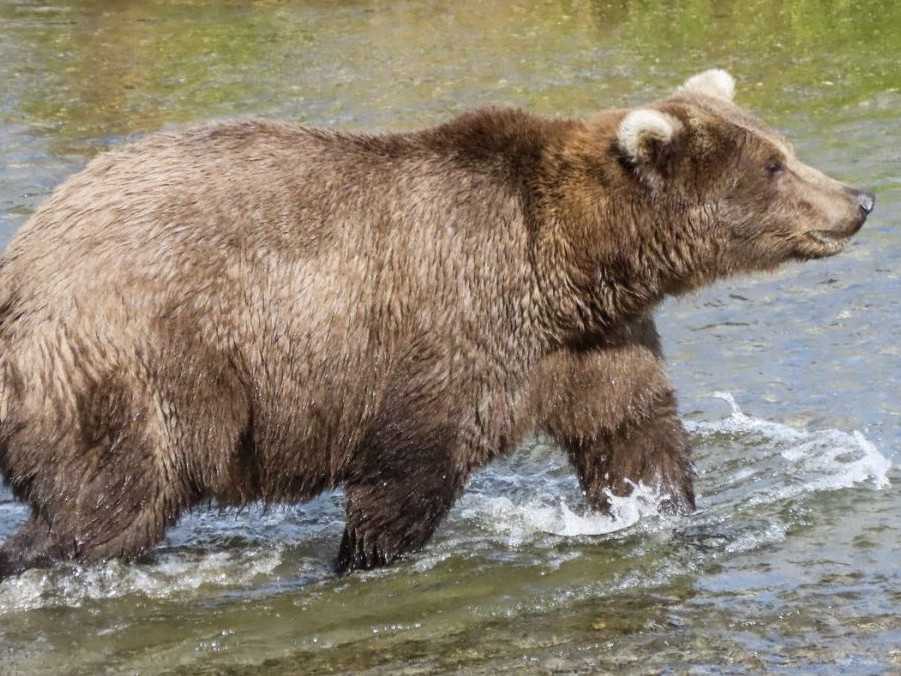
[730,114]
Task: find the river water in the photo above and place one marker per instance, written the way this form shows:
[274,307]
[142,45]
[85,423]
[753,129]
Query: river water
[790,383]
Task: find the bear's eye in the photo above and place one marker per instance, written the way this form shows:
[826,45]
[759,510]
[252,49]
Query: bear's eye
[774,168]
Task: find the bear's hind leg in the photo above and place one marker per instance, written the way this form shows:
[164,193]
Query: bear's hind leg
[106,516]
[105,487]
[30,547]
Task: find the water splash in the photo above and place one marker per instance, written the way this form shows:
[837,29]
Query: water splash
[520,522]
[811,460]
[748,461]
[740,423]
[169,575]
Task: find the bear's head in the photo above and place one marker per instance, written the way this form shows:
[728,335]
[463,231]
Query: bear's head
[665,198]
[729,190]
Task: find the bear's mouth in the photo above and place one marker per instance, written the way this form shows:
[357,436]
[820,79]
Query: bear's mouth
[821,243]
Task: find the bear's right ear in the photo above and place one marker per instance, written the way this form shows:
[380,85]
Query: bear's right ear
[645,136]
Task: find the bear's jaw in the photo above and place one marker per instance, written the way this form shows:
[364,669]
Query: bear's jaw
[820,244]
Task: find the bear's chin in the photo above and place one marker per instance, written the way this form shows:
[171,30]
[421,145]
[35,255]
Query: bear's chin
[819,244]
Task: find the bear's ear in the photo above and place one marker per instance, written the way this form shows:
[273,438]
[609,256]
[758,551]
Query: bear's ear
[714,82]
[645,136]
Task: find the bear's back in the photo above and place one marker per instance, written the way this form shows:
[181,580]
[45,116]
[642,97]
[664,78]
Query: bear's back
[276,228]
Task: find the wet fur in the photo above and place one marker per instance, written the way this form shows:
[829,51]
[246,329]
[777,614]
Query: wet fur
[260,311]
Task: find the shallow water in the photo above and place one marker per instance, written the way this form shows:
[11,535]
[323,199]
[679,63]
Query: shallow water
[790,383]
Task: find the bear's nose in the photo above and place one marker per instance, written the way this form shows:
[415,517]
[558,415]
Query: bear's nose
[866,201]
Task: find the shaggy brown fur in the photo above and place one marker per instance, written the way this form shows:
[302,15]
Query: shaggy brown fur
[261,311]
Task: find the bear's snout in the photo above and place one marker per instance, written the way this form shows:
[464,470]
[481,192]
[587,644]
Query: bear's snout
[866,201]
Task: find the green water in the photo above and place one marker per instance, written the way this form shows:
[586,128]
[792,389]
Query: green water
[791,563]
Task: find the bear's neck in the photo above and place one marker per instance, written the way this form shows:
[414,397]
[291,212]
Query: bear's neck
[606,256]
[585,306]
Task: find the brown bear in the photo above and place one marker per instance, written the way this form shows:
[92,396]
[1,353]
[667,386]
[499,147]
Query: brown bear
[259,311]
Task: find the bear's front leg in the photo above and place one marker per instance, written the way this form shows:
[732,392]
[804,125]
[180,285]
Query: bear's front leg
[613,409]
[396,500]
[651,449]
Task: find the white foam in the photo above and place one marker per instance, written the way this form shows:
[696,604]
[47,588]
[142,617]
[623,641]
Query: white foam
[779,462]
[820,460]
[835,460]
[521,522]
[170,575]
[739,423]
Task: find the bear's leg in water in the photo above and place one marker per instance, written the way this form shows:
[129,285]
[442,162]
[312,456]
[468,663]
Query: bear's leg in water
[96,491]
[613,410]
[108,464]
[398,497]
[651,449]
[30,546]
